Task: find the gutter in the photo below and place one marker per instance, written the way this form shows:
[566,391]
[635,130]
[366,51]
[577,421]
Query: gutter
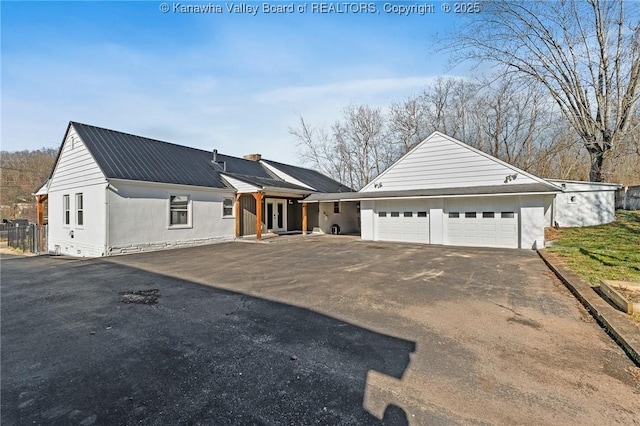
[414,197]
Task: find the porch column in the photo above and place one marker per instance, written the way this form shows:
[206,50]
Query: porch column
[258,197]
[304,218]
[40,208]
[237,207]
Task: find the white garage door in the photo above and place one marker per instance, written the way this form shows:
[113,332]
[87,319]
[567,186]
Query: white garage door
[402,220]
[491,222]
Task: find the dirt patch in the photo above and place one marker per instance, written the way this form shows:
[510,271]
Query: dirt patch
[630,294]
[141,297]
[551,234]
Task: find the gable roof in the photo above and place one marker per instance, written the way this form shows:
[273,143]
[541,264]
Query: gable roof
[310,177]
[125,156]
[441,161]
[267,183]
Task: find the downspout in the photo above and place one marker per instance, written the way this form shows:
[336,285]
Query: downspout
[106,221]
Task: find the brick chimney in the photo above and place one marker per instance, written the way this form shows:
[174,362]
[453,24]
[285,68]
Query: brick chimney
[253,157]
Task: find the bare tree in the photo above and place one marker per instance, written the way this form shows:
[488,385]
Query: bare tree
[362,136]
[450,104]
[408,123]
[319,150]
[585,53]
[514,119]
[354,151]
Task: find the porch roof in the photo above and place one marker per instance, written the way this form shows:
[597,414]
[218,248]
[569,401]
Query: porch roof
[266,183]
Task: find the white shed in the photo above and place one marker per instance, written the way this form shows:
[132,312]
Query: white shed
[583,203]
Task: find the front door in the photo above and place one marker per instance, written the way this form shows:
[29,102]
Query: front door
[276,215]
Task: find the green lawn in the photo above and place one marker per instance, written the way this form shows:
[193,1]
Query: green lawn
[610,251]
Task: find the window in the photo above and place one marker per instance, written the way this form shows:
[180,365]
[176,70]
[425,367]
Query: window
[395,214]
[336,207]
[408,214]
[470,215]
[454,215]
[507,215]
[382,214]
[488,215]
[179,210]
[66,213]
[227,207]
[422,214]
[79,210]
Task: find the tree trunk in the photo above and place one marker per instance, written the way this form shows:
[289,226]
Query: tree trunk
[597,159]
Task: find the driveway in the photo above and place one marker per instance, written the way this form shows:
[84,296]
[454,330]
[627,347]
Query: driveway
[317,330]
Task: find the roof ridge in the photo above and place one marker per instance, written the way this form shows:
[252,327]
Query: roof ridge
[154,140]
[289,165]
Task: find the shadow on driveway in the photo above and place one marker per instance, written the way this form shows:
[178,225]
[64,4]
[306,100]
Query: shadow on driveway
[74,353]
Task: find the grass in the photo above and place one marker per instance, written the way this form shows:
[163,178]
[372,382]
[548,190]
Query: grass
[610,252]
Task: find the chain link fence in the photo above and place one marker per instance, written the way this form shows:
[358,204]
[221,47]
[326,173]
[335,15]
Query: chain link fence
[31,238]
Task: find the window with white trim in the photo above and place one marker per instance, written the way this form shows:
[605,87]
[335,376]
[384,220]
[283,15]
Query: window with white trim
[227,207]
[66,212]
[79,209]
[336,207]
[179,210]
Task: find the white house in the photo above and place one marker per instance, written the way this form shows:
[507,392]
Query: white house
[446,192]
[111,192]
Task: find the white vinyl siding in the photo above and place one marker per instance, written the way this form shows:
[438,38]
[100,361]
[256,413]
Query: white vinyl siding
[75,167]
[439,162]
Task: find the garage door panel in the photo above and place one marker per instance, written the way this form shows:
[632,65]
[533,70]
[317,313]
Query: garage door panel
[481,222]
[401,221]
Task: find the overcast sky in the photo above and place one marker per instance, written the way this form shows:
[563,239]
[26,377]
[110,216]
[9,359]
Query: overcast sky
[230,80]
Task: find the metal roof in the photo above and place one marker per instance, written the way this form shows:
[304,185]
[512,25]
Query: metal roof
[310,177]
[532,188]
[269,183]
[125,156]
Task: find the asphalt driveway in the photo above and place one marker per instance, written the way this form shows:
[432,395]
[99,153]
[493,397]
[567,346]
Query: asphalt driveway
[317,330]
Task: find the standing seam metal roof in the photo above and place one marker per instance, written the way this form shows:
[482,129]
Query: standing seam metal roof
[312,178]
[125,156]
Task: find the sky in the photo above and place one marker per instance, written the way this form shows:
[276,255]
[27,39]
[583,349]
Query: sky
[233,80]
